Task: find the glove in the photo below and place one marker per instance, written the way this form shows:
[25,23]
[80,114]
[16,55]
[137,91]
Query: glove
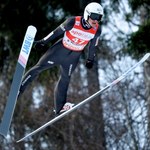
[39,45]
[89,63]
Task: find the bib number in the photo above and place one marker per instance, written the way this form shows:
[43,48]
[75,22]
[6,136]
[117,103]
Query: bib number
[78,41]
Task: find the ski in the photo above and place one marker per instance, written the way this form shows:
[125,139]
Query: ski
[145,57]
[17,78]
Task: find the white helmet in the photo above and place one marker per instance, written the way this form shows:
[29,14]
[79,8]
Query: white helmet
[94,11]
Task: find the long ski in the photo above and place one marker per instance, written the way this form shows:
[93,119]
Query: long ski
[145,57]
[17,78]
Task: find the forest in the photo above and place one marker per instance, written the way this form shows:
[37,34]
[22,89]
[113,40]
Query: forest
[118,118]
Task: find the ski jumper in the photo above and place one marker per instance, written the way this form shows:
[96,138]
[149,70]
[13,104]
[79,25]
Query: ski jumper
[65,53]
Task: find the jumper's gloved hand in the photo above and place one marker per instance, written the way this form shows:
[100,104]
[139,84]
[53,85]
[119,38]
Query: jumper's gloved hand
[39,45]
[89,63]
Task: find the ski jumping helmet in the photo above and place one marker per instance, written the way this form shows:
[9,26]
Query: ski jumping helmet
[94,11]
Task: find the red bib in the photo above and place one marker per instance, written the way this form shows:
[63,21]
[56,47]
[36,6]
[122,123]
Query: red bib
[77,38]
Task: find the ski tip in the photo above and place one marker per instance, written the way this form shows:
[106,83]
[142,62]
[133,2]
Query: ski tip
[148,54]
[32,27]
[31,30]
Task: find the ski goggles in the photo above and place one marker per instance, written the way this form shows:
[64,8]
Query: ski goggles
[95,16]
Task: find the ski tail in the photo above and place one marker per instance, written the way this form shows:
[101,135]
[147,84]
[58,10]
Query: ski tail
[17,78]
[145,57]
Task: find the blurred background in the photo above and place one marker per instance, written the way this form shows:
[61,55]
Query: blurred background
[118,119]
